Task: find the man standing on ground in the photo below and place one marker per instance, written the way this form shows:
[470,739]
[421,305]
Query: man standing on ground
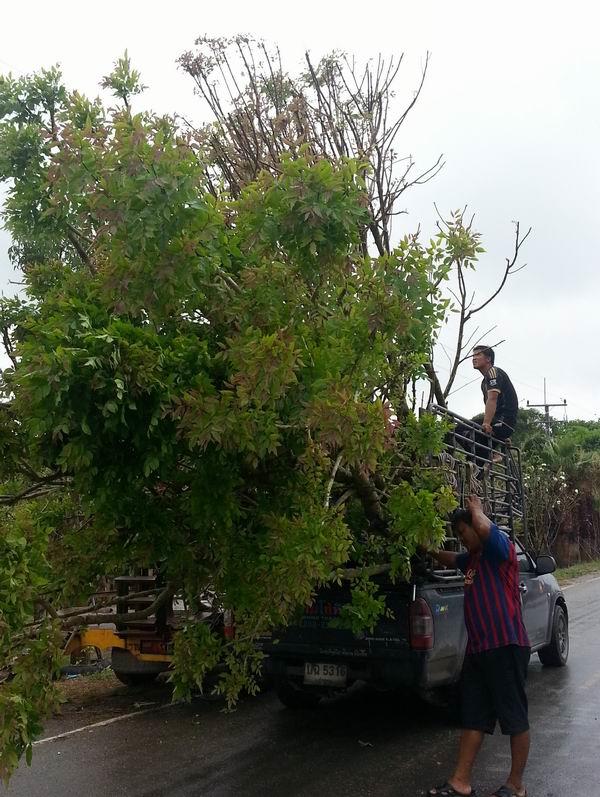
[499,395]
[497,656]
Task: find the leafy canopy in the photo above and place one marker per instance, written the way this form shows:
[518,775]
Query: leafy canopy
[211,386]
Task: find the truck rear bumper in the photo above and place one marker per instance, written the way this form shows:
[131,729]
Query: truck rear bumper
[388,673]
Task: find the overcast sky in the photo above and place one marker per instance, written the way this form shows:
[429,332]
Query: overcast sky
[511,100]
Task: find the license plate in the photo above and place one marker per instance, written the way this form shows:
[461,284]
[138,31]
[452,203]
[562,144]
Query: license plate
[325,674]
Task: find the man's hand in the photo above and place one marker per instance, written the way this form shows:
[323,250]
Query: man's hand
[473,504]
[445,558]
[487,427]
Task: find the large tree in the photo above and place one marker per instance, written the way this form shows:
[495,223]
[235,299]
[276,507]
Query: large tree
[207,384]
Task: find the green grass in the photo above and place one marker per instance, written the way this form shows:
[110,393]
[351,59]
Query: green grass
[564,574]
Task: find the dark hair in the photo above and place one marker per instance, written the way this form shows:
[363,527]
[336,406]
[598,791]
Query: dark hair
[487,350]
[460,516]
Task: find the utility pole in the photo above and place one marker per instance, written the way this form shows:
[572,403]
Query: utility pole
[546,407]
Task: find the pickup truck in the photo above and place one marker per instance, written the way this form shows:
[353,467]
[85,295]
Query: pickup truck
[421,644]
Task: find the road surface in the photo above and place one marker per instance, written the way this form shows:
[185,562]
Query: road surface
[362,744]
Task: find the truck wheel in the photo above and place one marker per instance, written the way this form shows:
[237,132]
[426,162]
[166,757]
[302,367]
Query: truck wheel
[294,696]
[131,671]
[557,652]
[135,678]
[89,655]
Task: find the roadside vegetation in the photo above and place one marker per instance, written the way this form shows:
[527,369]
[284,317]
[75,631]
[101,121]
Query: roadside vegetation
[566,574]
[562,476]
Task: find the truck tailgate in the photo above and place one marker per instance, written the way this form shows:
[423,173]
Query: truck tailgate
[316,632]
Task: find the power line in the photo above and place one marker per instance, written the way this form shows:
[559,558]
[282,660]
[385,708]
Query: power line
[470,382]
[572,403]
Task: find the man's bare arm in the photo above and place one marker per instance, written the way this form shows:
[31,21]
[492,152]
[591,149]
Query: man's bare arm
[490,410]
[479,520]
[445,558]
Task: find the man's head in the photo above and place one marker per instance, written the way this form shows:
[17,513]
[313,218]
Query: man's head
[462,525]
[483,358]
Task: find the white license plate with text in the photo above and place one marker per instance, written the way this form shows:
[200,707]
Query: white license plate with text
[323,674]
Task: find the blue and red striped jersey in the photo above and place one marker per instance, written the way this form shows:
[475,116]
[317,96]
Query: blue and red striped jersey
[493,613]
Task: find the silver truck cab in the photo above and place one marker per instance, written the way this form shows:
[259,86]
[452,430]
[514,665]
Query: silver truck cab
[544,608]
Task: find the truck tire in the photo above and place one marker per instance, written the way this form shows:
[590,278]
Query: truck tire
[135,678]
[133,672]
[89,655]
[556,653]
[293,696]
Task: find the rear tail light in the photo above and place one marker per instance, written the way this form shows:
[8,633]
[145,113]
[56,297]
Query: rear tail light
[228,624]
[421,625]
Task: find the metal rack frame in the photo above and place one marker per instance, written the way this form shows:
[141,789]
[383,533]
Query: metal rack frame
[479,463]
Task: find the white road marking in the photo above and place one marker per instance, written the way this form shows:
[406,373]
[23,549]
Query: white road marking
[103,722]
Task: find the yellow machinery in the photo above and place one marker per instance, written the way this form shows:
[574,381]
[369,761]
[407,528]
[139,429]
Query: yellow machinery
[138,650]
[135,659]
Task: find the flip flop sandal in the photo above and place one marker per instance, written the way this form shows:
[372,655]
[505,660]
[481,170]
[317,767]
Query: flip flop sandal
[506,791]
[447,790]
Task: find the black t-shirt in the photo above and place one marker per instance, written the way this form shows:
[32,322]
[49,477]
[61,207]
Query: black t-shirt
[508,403]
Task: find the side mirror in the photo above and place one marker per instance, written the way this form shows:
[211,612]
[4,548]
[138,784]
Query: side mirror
[545,564]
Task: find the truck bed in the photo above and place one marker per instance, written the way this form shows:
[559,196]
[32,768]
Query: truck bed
[388,656]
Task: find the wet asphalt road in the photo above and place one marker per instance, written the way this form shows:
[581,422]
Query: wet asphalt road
[362,744]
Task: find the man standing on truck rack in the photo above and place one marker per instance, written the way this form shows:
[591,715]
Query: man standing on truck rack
[497,655]
[499,395]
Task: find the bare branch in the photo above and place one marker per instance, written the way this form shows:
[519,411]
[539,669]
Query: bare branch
[8,347]
[436,387]
[336,465]
[464,303]
[350,573]
[510,263]
[492,345]
[344,497]
[113,600]
[47,607]
[125,617]
[335,110]
[85,258]
[44,486]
